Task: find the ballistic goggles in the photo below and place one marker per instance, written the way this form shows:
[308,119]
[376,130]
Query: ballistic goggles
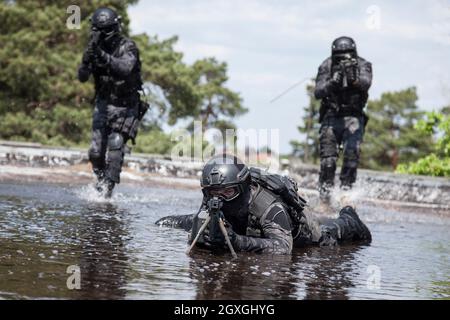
[226,193]
[342,56]
[107,30]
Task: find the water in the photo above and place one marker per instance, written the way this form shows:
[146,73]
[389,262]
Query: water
[45,228]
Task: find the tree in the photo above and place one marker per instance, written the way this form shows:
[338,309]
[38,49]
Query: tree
[391,137]
[42,101]
[308,150]
[436,126]
[218,105]
[40,98]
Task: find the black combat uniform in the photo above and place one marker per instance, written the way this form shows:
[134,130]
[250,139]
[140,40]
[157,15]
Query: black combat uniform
[263,222]
[343,81]
[115,66]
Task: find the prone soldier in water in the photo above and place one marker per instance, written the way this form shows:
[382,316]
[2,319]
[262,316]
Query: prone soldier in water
[342,82]
[113,61]
[262,212]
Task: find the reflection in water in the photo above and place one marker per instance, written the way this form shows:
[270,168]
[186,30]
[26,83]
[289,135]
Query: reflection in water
[248,277]
[330,277]
[313,273]
[45,228]
[103,259]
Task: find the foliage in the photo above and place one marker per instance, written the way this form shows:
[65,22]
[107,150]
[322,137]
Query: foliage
[154,141]
[435,125]
[218,104]
[41,99]
[391,136]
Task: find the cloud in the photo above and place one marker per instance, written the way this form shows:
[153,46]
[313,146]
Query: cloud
[270,45]
[196,50]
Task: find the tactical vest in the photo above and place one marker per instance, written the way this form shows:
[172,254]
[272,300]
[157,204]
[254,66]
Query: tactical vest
[262,201]
[347,101]
[282,186]
[113,87]
[259,206]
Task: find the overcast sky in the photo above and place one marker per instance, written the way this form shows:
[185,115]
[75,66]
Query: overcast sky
[271,45]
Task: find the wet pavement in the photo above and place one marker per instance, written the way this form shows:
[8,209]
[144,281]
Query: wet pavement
[46,228]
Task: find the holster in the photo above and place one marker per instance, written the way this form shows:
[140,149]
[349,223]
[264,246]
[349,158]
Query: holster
[143,107]
[327,107]
[366,119]
[323,111]
[132,122]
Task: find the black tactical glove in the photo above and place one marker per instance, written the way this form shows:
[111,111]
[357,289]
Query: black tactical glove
[336,79]
[88,56]
[102,57]
[219,243]
[353,75]
[216,239]
[213,241]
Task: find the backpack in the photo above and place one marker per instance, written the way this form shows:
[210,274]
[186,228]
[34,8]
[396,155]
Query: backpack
[284,187]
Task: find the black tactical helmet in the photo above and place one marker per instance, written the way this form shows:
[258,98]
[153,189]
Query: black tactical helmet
[225,176]
[343,45]
[107,21]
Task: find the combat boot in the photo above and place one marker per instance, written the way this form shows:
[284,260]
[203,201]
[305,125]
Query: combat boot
[351,228]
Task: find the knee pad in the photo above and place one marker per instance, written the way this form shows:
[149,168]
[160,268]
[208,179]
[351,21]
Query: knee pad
[328,162]
[94,154]
[115,141]
[95,157]
[328,143]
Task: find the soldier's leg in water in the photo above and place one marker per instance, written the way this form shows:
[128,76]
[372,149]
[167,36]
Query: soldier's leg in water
[328,147]
[97,149]
[347,228]
[114,160]
[352,138]
[309,230]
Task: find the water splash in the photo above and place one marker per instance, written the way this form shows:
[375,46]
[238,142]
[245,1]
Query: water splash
[90,194]
[128,194]
[385,186]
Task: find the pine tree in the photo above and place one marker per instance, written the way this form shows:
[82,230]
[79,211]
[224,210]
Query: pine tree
[41,99]
[391,137]
[218,104]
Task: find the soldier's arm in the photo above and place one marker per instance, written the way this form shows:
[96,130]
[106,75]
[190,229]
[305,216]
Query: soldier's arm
[276,231]
[323,84]
[365,76]
[180,222]
[123,65]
